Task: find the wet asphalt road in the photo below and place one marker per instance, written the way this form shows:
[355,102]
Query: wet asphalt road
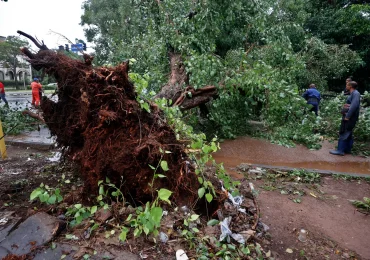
[19,100]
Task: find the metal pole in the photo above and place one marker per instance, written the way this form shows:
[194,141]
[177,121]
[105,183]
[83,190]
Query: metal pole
[24,79]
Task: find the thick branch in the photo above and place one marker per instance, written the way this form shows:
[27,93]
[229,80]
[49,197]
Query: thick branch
[39,45]
[28,53]
[33,115]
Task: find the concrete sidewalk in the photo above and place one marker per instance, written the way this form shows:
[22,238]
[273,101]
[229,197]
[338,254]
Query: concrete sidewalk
[36,139]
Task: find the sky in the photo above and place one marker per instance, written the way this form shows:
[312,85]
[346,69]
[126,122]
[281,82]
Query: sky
[38,17]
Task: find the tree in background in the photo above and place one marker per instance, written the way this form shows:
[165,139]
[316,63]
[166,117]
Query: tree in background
[251,59]
[343,22]
[10,49]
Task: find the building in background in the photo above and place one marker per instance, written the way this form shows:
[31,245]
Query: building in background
[23,74]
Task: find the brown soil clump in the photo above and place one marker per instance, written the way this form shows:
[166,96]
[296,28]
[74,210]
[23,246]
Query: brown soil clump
[100,125]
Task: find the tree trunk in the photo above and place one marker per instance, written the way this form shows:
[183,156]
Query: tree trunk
[178,90]
[15,70]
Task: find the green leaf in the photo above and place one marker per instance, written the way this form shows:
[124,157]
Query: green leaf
[146,230]
[146,107]
[128,218]
[137,232]
[59,198]
[195,230]
[164,165]
[123,234]
[194,217]
[151,167]
[35,194]
[78,206]
[213,222]
[101,190]
[156,214]
[164,195]
[209,197]
[161,176]
[246,250]
[44,197]
[197,145]
[200,179]
[201,192]
[52,199]
[79,219]
[94,209]
[231,246]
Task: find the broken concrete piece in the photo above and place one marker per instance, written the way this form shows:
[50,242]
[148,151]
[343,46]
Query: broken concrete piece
[56,253]
[7,223]
[35,231]
[103,215]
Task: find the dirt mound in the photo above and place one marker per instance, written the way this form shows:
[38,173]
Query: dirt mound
[100,124]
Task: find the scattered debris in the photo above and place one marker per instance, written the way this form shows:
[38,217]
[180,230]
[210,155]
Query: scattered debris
[103,215]
[163,237]
[289,251]
[56,157]
[226,232]
[181,255]
[302,235]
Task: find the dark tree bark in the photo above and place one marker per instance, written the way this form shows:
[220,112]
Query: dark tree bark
[178,90]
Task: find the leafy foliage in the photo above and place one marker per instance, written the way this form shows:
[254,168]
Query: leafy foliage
[260,55]
[14,122]
[47,194]
[363,206]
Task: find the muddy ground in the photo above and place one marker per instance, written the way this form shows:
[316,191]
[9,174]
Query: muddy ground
[335,229]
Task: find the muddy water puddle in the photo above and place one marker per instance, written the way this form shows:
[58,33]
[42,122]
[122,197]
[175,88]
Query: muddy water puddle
[261,152]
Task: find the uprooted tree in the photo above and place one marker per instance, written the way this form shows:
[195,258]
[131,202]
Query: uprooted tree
[100,124]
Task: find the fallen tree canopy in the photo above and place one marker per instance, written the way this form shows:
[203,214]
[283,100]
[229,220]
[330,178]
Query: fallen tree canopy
[99,123]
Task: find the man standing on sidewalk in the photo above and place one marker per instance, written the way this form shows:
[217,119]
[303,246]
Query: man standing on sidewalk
[2,94]
[36,88]
[350,112]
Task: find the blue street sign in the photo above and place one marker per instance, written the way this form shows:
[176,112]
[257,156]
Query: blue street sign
[76,47]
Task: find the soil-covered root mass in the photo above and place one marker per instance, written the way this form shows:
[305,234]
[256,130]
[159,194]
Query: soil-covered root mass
[100,125]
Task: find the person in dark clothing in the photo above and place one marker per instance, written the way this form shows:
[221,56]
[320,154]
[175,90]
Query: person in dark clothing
[346,91]
[350,113]
[313,97]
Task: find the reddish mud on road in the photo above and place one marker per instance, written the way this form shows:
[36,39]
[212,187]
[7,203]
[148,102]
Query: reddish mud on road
[257,151]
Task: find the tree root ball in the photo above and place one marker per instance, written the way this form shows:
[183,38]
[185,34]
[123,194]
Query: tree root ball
[99,123]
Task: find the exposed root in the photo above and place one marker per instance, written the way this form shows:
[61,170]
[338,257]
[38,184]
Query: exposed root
[100,125]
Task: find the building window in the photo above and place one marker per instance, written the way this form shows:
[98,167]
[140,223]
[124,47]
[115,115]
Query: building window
[2,75]
[11,75]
